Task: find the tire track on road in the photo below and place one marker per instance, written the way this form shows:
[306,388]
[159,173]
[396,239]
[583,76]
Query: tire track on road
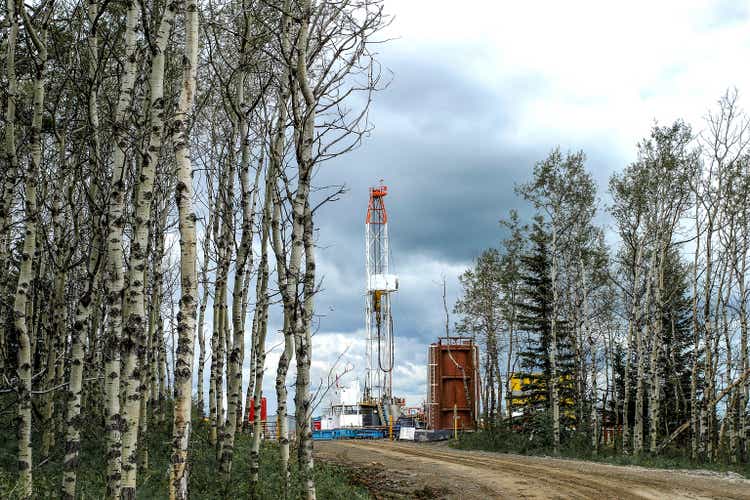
[566,484]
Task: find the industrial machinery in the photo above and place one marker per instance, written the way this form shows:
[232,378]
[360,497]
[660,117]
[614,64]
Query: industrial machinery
[452,384]
[374,411]
[380,284]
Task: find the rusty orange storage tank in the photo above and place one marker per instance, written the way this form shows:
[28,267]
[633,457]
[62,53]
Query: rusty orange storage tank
[263,411]
[452,388]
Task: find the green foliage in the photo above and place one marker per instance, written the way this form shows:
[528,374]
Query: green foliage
[577,446]
[205,480]
[535,314]
[677,343]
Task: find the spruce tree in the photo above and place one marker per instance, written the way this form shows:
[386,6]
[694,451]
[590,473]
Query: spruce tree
[676,318]
[534,319]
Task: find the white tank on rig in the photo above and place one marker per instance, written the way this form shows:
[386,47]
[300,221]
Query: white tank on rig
[380,284]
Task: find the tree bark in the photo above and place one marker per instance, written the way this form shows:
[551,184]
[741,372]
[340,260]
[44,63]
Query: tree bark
[21,321]
[11,156]
[116,261]
[135,322]
[204,301]
[553,347]
[641,368]
[178,485]
[260,321]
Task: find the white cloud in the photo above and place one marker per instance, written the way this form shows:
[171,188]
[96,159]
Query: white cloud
[608,70]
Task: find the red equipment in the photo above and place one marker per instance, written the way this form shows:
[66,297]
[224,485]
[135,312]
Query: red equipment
[263,411]
[452,373]
[376,208]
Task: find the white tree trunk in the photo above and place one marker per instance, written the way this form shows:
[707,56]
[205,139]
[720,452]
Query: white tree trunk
[641,359]
[116,261]
[632,328]
[260,321]
[553,347]
[244,260]
[135,322]
[183,375]
[22,322]
[11,156]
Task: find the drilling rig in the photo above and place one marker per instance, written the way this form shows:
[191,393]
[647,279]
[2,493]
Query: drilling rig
[374,414]
[380,284]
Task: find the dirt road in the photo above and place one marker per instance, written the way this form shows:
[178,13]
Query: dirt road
[415,470]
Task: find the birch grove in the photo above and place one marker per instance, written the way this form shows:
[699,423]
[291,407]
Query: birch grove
[157,199]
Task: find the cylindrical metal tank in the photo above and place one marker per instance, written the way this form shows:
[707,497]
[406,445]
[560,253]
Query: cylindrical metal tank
[452,389]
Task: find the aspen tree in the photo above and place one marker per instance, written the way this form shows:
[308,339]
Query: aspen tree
[629,209]
[81,323]
[250,389]
[85,305]
[144,349]
[513,247]
[671,166]
[554,392]
[10,153]
[739,268]
[694,403]
[276,159]
[218,338]
[482,313]
[725,143]
[56,327]
[21,322]
[260,322]
[304,120]
[213,390]
[286,355]
[641,338]
[156,333]
[244,260]
[135,324]
[204,297]
[348,28]
[115,282]
[303,341]
[178,486]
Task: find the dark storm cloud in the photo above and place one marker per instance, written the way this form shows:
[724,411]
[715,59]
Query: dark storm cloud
[445,144]
[440,145]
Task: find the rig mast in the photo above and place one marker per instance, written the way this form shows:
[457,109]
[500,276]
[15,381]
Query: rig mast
[380,285]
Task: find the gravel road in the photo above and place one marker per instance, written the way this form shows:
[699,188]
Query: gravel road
[434,470]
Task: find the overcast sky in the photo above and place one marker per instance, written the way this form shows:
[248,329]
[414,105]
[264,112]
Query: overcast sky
[481,90]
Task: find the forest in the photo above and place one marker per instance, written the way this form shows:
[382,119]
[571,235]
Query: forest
[159,222]
[623,323]
[155,155]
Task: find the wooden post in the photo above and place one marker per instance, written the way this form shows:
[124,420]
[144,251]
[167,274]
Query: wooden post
[455,422]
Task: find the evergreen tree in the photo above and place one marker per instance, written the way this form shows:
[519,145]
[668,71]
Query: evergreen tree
[676,318]
[535,314]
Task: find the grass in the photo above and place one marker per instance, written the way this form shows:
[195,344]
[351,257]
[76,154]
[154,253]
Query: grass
[503,440]
[205,481]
